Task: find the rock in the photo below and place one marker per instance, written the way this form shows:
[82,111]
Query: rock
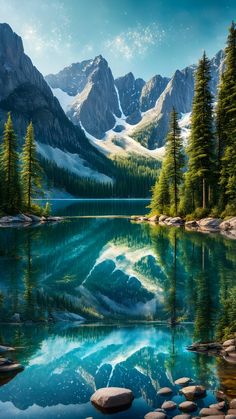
[209,224]
[188,406]
[191,224]
[112,397]
[169,405]
[175,221]
[232,411]
[213,347]
[232,404]
[34,218]
[154,219]
[220,416]
[207,411]
[6,349]
[230,348]
[229,224]
[192,392]
[182,381]
[184,416]
[162,218]
[218,406]
[229,342]
[134,217]
[155,415]
[232,354]
[165,391]
[16,318]
[220,395]
[230,417]
[11,368]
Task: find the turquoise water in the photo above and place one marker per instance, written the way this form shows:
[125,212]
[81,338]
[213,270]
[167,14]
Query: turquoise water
[143,294]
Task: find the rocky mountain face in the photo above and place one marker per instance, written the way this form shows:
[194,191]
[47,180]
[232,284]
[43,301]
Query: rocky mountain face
[153,127]
[25,93]
[151,92]
[133,108]
[129,90]
[95,105]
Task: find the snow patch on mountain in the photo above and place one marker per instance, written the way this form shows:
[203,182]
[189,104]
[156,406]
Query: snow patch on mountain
[72,162]
[65,100]
[122,144]
[184,124]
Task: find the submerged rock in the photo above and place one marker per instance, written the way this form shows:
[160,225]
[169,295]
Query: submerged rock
[188,406]
[192,392]
[207,411]
[155,415]
[165,391]
[11,367]
[232,404]
[169,405]
[16,318]
[229,342]
[112,397]
[182,381]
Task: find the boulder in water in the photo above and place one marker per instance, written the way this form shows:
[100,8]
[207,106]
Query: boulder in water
[112,397]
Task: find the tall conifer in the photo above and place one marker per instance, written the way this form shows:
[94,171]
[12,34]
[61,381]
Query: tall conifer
[31,171]
[201,145]
[11,202]
[226,123]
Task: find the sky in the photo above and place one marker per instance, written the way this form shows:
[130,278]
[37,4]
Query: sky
[146,37]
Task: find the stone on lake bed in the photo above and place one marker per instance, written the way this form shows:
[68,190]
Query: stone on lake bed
[230,348]
[112,397]
[218,406]
[207,411]
[169,405]
[229,342]
[165,391]
[193,392]
[215,416]
[230,417]
[188,406]
[184,416]
[232,404]
[155,415]
[232,411]
[182,381]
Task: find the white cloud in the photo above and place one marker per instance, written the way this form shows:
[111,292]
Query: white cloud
[135,41]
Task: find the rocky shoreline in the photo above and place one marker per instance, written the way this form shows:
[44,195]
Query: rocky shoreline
[204,225]
[24,220]
[226,350]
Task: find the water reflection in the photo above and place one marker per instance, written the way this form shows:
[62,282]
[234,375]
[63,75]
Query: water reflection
[111,269]
[65,365]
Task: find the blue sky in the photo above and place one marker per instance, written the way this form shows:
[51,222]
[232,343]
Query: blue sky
[146,37]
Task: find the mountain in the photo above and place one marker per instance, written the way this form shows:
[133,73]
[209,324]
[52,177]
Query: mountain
[94,103]
[152,129]
[127,110]
[25,93]
[129,90]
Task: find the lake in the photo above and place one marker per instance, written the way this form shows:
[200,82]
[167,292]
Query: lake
[143,294]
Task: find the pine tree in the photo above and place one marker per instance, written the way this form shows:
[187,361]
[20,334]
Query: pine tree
[201,146]
[174,160]
[160,197]
[30,171]
[166,190]
[11,196]
[226,123]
